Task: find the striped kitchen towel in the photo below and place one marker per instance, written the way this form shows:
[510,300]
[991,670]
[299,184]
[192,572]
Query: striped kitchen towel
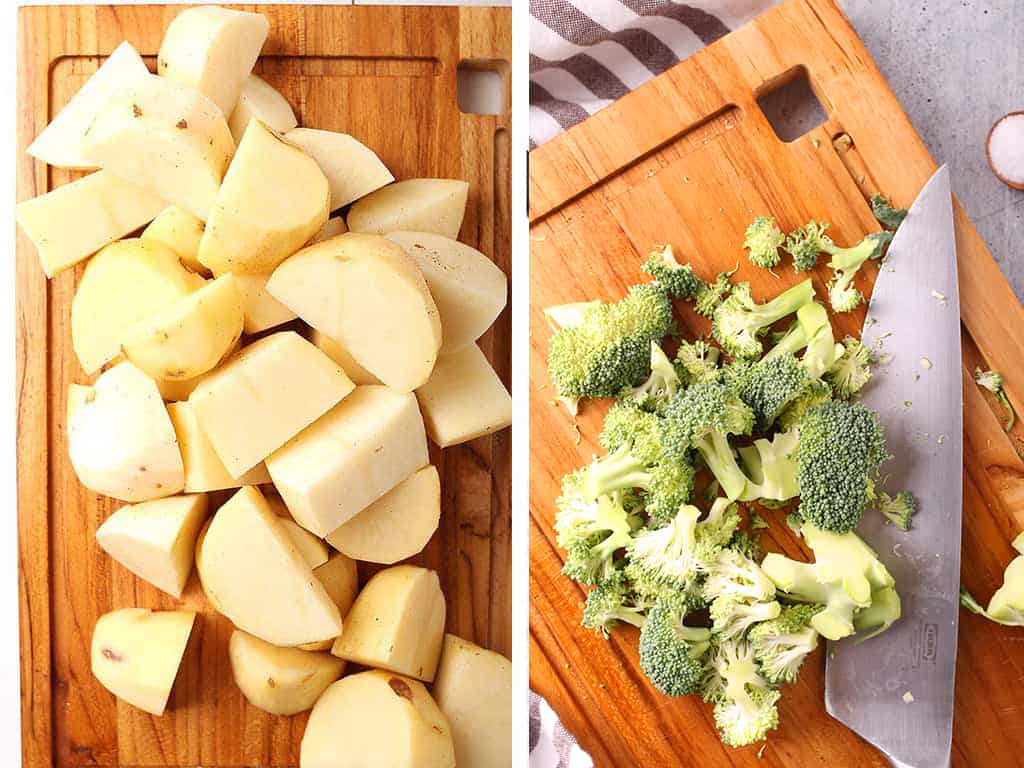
[585,54]
[551,746]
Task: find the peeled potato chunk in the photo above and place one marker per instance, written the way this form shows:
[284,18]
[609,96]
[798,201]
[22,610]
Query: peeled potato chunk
[334,350]
[259,100]
[469,289]
[365,292]
[255,576]
[136,653]
[340,578]
[204,471]
[312,549]
[74,221]
[413,205]
[156,540]
[273,199]
[333,227]
[167,138]
[353,170]
[124,283]
[397,525]
[264,396]
[262,311]
[396,623]
[60,143]
[120,438]
[282,681]
[473,689]
[377,718]
[180,231]
[464,398]
[188,338]
[178,391]
[351,457]
[212,50]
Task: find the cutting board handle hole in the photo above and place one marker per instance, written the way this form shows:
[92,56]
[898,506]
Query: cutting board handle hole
[790,105]
[481,86]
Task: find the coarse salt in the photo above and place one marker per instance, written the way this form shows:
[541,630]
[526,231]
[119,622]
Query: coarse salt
[1006,148]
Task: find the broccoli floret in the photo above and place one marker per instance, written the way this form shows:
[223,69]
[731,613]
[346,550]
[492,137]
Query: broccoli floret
[888,216]
[702,417]
[721,521]
[772,385]
[658,388]
[609,349]
[763,239]
[993,382]
[677,279]
[744,702]
[697,362]
[844,577]
[1007,604]
[851,371]
[610,604]
[841,446]
[666,479]
[735,576]
[811,319]
[627,424]
[710,295]
[805,243]
[845,263]
[898,509]
[671,653]
[591,531]
[782,644]
[568,315]
[770,467]
[819,392]
[731,618]
[739,321]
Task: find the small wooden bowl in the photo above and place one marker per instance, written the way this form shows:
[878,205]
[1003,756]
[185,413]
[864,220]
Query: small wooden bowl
[988,153]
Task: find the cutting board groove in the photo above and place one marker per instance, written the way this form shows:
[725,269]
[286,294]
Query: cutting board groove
[387,76]
[690,159]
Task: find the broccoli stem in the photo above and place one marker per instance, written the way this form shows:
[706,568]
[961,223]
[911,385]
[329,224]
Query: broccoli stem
[714,448]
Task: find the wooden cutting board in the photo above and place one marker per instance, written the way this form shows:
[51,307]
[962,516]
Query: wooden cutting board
[690,159]
[387,76]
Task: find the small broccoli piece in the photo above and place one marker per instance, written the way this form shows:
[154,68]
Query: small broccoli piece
[609,349]
[841,447]
[1007,604]
[772,385]
[883,612]
[710,295]
[677,279]
[671,653]
[591,531]
[697,362]
[898,509]
[763,239]
[812,332]
[851,371]
[739,321]
[770,466]
[844,577]
[735,576]
[846,262]
[568,315]
[744,702]
[667,480]
[819,392]
[702,417]
[781,645]
[626,424]
[658,388]
[993,382]
[731,618]
[805,243]
[888,216]
[610,604]
[721,521]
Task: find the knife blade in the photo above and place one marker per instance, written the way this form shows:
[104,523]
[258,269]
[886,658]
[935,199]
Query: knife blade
[896,690]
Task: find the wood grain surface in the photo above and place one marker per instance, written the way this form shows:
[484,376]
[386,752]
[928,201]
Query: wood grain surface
[388,77]
[689,159]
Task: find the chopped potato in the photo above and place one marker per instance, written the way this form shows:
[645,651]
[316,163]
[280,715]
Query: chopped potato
[351,457]
[264,396]
[136,653]
[178,391]
[120,439]
[469,289]
[396,623]
[254,575]
[60,142]
[353,170]
[414,205]
[213,50]
[180,231]
[262,311]
[333,227]
[365,292]
[397,525]
[204,471]
[334,350]
[273,199]
[340,578]
[312,549]
[74,221]
[473,689]
[377,713]
[167,138]
[258,99]
[156,540]
[464,398]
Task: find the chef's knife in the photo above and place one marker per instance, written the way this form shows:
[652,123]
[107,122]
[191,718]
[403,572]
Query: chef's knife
[896,689]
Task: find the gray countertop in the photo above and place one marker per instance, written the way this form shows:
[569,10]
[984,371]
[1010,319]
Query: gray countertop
[957,66]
